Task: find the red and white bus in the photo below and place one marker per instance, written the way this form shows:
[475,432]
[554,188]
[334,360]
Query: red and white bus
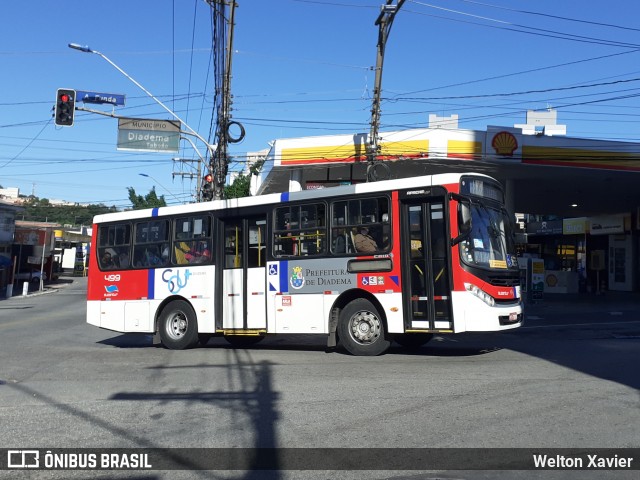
[440,259]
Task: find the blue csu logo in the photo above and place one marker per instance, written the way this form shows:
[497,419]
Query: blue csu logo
[174,281]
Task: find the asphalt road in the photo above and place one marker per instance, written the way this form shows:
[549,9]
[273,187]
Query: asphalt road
[569,379]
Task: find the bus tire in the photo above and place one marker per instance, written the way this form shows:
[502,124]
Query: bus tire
[413,340]
[178,326]
[243,340]
[361,329]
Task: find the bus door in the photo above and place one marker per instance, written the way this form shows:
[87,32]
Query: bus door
[425,252]
[244,274]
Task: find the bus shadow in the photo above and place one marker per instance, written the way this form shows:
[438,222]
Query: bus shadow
[312,343]
[442,351]
[129,340]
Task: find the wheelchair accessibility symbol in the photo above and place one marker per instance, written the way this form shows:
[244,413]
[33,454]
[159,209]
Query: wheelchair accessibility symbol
[273,269]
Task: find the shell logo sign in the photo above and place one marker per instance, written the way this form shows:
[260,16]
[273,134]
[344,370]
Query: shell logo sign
[504,143]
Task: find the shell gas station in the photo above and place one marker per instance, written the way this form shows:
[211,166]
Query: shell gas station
[576,200]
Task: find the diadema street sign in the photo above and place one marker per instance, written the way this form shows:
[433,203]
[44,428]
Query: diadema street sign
[148,135]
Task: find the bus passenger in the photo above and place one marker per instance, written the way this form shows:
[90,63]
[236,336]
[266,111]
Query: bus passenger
[107,261]
[364,242]
[182,249]
[123,260]
[340,244]
[152,259]
[199,254]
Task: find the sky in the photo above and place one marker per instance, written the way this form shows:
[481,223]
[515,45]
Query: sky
[299,68]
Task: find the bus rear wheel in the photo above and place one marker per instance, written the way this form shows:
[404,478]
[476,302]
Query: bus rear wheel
[361,329]
[178,326]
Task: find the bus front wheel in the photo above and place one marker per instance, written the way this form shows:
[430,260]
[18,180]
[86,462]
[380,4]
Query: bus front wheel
[178,326]
[361,329]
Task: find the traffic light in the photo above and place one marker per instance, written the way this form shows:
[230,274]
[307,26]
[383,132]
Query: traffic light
[207,187]
[65,107]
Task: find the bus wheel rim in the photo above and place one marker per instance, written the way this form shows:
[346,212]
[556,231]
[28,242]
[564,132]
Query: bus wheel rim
[177,326]
[365,328]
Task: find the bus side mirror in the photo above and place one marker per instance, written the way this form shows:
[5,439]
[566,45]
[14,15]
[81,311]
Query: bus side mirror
[464,222]
[464,218]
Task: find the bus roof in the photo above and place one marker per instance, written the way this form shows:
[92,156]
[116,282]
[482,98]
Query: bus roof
[275,198]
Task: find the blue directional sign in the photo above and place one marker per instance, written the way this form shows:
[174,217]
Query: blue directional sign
[95,97]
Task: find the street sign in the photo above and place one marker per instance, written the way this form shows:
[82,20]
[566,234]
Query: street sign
[95,97]
[148,135]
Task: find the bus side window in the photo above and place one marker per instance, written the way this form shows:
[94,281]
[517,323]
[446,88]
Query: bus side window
[300,230]
[349,216]
[114,243]
[192,241]
[233,245]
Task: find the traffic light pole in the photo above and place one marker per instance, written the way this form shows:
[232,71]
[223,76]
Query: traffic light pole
[210,148]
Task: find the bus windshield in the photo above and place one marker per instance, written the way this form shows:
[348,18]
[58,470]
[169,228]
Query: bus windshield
[490,243]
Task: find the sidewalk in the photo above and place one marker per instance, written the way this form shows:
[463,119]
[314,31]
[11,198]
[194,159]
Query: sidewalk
[62,281]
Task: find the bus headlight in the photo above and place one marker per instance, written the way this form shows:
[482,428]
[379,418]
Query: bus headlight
[482,295]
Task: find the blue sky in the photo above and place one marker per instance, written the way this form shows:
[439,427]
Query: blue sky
[300,68]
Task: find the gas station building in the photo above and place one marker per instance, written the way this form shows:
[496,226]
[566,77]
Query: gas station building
[576,200]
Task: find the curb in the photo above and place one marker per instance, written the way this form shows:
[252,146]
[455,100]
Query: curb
[49,289]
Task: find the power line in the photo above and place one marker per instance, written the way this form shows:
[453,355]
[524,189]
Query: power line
[518,27]
[548,15]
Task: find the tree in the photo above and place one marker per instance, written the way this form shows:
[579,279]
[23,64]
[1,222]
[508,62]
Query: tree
[41,210]
[241,186]
[150,200]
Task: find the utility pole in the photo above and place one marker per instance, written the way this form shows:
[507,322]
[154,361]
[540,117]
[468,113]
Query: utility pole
[384,23]
[219,163]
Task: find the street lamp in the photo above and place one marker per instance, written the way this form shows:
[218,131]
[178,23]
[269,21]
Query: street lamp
[152,178]
[210,148]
